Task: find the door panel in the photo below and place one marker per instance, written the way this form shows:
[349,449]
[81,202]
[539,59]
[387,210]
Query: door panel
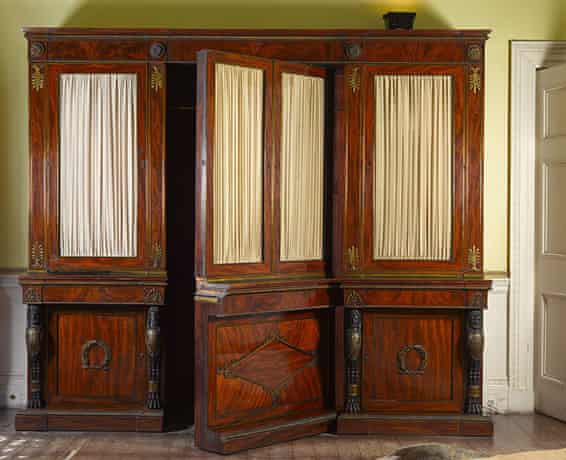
[550,241]
[96,358]
[99,221]
[262,133]
[412,361]
[413,175]
[300,166]
[234,129]
[269,366]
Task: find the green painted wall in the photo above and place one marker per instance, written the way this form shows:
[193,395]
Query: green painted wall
[509,20]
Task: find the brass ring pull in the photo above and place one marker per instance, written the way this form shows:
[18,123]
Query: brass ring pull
[85,355]
[402,360]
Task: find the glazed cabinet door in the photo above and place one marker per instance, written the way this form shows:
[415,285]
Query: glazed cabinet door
[261,136]
[98,168]
[413,187]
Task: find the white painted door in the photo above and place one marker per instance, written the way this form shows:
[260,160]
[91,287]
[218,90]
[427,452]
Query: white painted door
[550,258]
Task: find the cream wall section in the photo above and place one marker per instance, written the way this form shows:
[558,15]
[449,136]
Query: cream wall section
[510,19]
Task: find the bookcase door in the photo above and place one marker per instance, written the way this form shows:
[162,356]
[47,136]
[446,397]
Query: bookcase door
[97,166]
[414,212]
[261,133]
[300,191]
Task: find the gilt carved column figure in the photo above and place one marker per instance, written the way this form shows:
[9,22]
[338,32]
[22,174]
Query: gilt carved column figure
[153,345]
[33,342]
[475,350]
[353,354]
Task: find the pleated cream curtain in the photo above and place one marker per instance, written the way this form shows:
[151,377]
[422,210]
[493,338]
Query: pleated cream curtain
[238,165]
[302,167]
[413,167]
[98,165]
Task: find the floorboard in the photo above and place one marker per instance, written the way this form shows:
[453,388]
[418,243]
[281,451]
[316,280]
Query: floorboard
[513,433]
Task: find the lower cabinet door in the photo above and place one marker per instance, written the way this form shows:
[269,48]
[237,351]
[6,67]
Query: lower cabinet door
[96,359]
[412,361]
[268,366]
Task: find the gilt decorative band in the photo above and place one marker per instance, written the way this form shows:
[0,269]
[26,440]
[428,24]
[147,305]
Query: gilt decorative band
[475,79]
[474,258]
[37,77]
[37,255]
[353,259]
[152,296]
[156,78]
[354,79]
[156,254]
[32,295]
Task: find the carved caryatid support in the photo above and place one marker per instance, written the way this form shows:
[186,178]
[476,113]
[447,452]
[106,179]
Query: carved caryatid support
[33,342]
[353,361]
[153,345]
[475,352]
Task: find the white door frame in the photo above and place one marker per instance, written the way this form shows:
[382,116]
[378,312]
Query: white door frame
[526,57]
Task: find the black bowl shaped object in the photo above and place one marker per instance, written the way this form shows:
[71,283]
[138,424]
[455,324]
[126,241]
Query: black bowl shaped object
[396,20]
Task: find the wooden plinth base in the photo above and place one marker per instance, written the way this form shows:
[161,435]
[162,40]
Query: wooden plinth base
[247,436]
[440,425]
[51,420]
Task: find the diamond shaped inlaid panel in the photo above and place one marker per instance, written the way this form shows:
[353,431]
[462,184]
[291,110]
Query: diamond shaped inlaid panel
[269,364]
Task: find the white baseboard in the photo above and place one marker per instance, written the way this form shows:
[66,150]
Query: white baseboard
[13,364]
[496,357]
[12,391]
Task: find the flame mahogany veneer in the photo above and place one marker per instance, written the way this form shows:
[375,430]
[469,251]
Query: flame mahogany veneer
[267,352]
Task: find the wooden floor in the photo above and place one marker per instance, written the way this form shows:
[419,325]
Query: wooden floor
[512,433]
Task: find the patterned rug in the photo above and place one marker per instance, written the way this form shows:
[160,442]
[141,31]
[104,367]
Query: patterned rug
[446,452]
[433,452]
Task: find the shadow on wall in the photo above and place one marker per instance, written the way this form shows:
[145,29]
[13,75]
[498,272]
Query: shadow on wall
[231,14]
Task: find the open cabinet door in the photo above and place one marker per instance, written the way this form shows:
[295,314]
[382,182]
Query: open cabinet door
[263,364]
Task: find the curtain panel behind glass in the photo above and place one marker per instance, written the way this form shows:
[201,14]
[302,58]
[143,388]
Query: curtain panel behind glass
[413,167]
[98,165]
